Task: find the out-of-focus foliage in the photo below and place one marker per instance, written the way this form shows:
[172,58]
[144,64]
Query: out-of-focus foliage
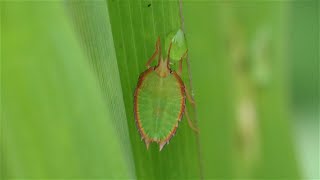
[247,111]
[303,62]
[55,119]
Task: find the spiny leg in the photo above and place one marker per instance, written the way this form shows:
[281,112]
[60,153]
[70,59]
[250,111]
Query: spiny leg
[196,130]
[157,51]
[189,97]
[180,73]
[180,62]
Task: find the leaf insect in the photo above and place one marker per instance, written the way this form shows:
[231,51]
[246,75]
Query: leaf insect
[160,100]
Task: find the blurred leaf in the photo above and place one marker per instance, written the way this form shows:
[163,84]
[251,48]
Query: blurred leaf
[56,121]
[219,40]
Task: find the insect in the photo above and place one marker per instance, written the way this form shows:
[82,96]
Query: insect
[160,100]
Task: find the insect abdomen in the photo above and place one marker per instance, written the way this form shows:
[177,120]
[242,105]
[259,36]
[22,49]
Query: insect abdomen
[159,104]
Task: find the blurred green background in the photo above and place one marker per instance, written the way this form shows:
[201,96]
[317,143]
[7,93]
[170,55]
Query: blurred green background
[69,70]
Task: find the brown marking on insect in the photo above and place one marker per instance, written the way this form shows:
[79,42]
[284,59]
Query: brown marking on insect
[172,132]
[183,92]
[136,110]
[163,69]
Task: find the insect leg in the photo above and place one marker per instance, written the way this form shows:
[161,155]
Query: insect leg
[157,51]
[180,62]
[196,130]
[189,96]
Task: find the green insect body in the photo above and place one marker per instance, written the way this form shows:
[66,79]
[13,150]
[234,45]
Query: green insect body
[159,101]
